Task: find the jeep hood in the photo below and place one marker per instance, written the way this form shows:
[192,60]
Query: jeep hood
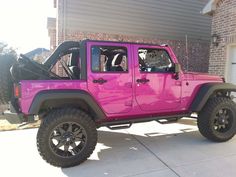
[202,76]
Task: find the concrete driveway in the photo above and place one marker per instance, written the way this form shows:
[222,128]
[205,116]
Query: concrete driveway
[146,149]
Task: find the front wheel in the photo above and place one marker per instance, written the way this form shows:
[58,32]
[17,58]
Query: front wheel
[217,120]
[66,137]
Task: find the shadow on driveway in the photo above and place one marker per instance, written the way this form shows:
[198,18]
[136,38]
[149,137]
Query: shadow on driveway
[127,154]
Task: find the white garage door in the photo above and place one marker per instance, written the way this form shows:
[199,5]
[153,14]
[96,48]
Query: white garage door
[233,73]
[232,69]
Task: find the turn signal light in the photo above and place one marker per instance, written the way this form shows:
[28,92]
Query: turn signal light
[17,91]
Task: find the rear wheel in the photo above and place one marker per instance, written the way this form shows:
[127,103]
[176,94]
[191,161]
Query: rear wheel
[217,120]
[66,137]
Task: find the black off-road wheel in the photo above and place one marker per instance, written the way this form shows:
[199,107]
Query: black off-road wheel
[217,120]
[66,137]
[6,83]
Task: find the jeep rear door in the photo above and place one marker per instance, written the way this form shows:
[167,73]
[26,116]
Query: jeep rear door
[156,88]
[110,75]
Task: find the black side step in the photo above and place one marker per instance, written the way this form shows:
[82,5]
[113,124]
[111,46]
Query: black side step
[167,121]
[117,127]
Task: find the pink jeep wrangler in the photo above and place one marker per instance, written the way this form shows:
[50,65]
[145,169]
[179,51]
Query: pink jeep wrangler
[111,84]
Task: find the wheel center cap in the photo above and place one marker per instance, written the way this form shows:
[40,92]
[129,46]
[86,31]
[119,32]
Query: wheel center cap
[222,120]
[68,137]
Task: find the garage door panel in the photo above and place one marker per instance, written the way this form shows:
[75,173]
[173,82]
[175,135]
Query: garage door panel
[232,59]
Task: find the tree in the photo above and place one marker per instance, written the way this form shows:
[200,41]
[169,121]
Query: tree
[7,58]
[5,50]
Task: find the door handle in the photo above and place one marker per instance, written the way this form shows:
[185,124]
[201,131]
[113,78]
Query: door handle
[99,81]
[142,81]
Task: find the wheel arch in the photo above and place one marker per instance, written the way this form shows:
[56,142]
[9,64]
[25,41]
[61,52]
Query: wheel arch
[66,98]
[206,91]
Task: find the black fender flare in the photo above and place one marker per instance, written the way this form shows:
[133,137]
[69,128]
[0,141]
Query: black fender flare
[206,91]
[57,95]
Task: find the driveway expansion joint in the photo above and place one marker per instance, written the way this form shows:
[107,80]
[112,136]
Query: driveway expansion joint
[150,151]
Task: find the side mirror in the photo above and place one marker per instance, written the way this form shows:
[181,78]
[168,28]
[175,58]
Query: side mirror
[177,68]
[177,71]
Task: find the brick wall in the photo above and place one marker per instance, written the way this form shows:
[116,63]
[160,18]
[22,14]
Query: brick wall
[224,25]
[198,50]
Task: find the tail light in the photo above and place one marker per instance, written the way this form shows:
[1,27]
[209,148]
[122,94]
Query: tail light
[17,90]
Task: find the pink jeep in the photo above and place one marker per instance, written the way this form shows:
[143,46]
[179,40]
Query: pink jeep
[111,84]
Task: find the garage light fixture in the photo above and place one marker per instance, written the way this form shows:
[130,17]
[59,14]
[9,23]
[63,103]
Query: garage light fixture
[215,39]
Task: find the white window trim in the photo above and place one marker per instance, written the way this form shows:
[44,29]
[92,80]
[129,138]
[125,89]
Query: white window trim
[210,7]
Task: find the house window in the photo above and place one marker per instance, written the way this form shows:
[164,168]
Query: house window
[109,59]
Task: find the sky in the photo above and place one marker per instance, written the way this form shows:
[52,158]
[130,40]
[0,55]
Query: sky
[23,23]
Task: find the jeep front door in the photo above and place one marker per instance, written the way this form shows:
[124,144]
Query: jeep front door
[110,76]
[156,89]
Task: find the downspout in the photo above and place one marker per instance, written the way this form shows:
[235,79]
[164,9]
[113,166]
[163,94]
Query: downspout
[64,20]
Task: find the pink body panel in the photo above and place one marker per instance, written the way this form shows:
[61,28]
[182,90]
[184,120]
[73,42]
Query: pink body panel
[121,96]
[115,96]
[162,93]
[191,84]
[31,88]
